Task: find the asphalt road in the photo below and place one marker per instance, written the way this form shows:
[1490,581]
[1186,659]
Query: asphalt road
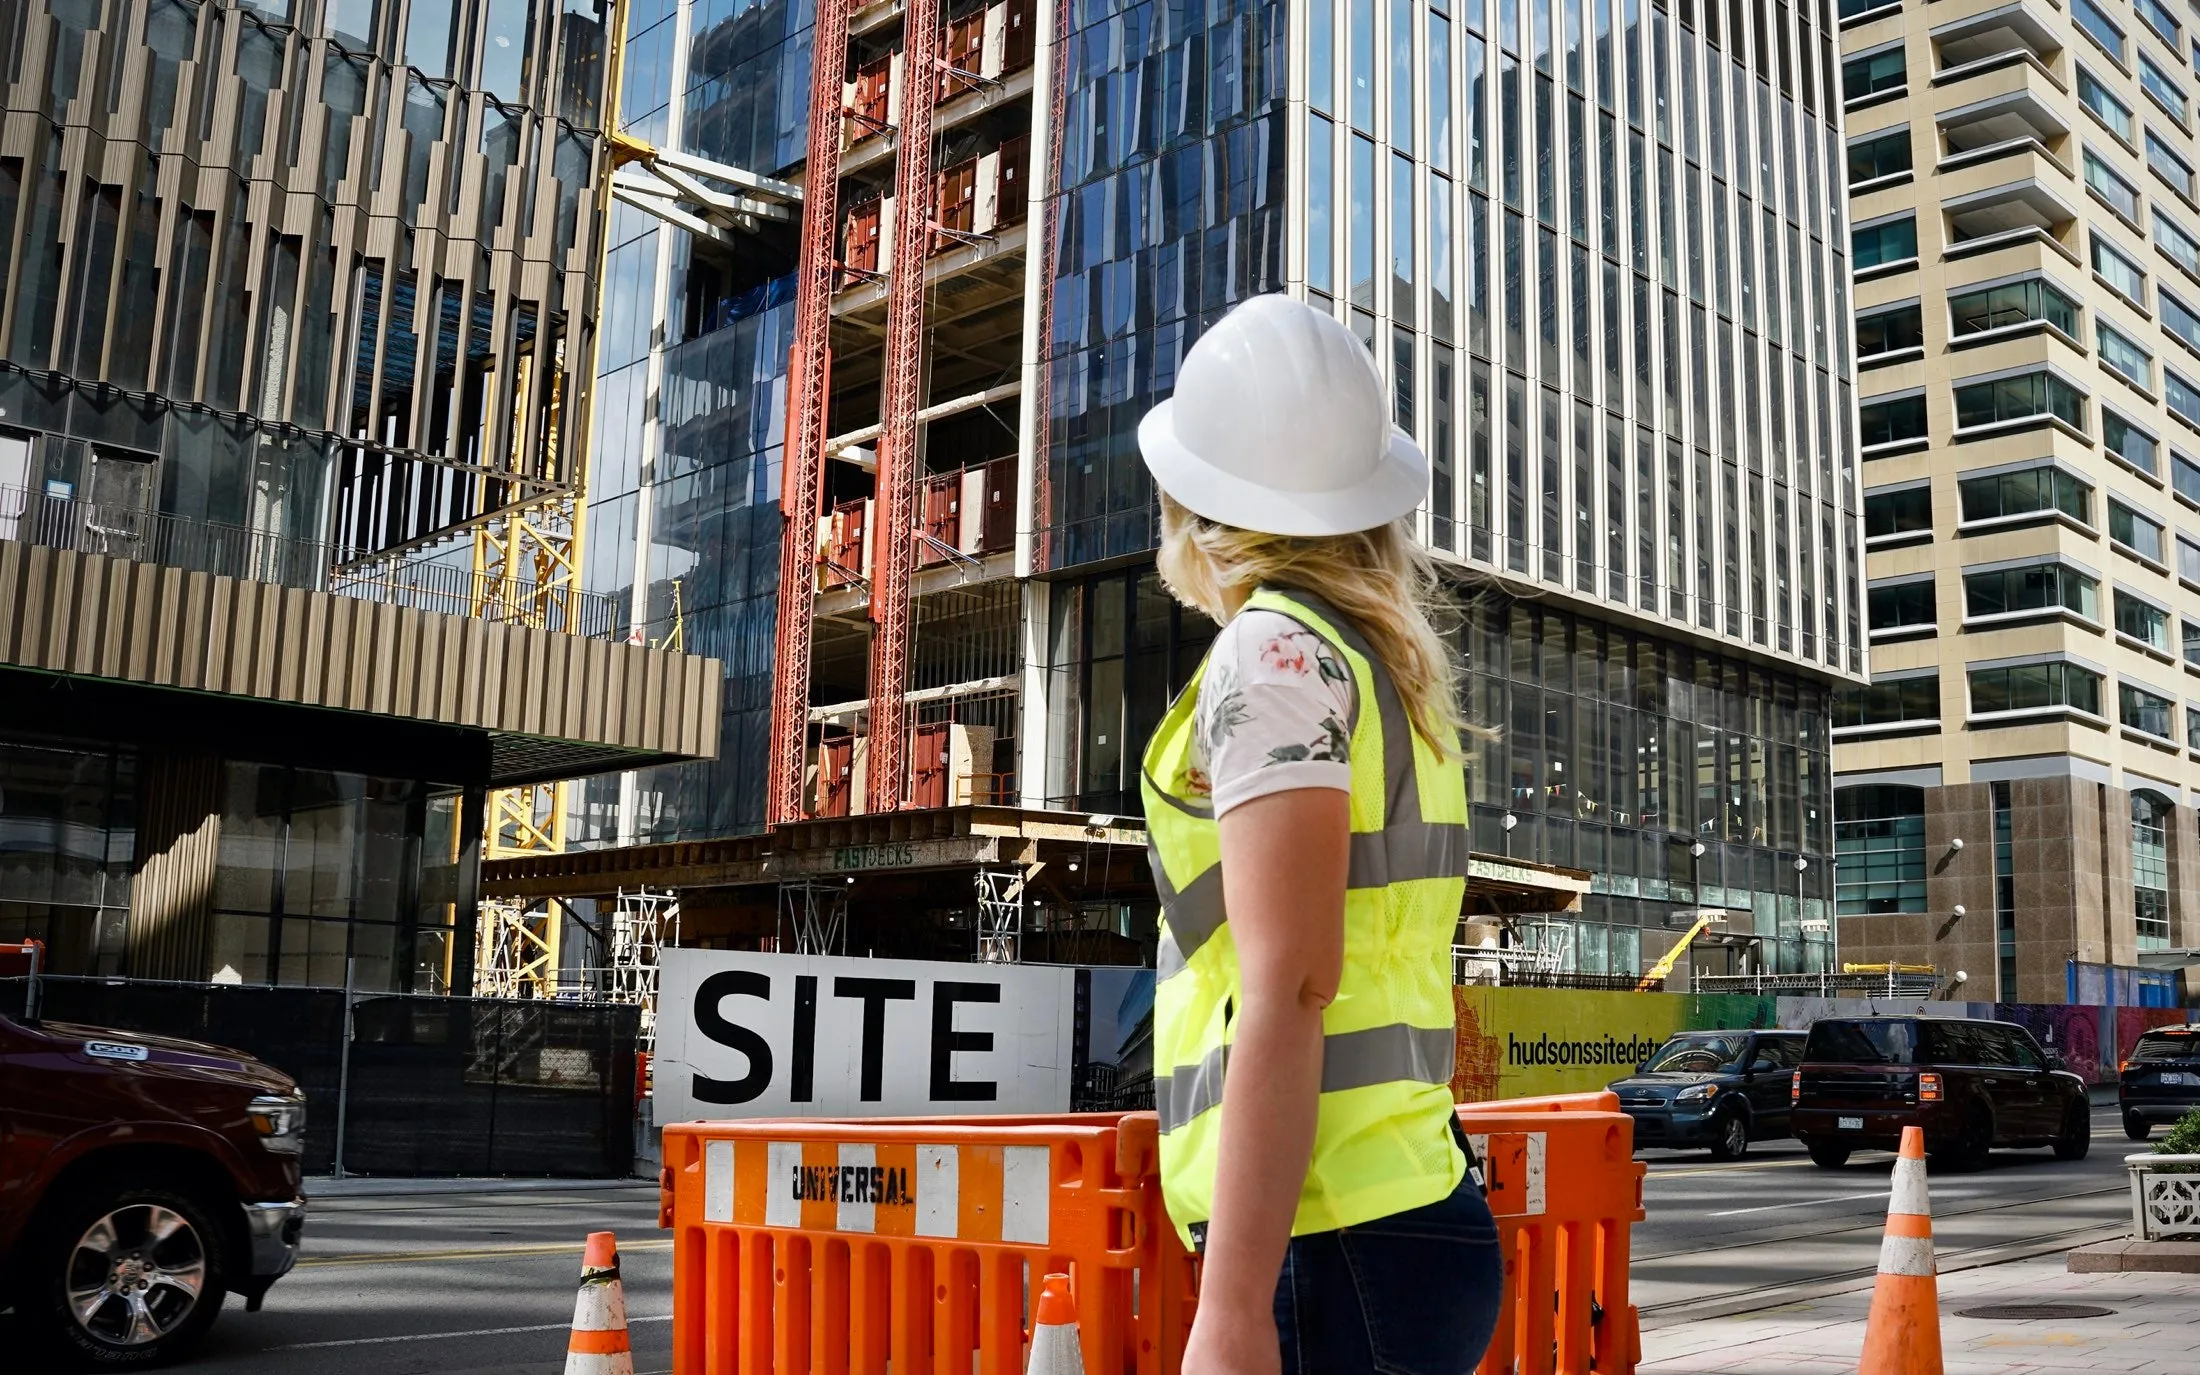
[479,1282]
[1772,1226]
[482,1282]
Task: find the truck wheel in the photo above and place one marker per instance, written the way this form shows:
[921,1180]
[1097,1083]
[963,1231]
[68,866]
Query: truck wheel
[1971,1146]
[1828,1155]
[123,1276]
[2077,1134]
[2137,1127]
[1731,1137]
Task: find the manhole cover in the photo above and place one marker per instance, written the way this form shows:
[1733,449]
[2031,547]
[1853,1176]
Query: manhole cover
[2032,1312]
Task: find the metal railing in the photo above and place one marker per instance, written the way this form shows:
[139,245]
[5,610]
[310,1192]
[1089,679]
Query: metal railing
[236,551]
[1824,985]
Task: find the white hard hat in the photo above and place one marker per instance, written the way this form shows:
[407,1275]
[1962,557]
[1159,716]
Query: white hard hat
[1280,424]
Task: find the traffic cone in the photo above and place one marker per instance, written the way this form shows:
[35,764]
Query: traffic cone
[1055,1349]
[599,1343]
[1902,1336]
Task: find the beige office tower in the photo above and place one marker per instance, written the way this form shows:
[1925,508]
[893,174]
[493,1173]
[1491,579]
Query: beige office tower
[2015,789]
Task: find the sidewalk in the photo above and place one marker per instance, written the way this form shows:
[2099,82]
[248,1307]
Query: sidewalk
[369,1186]
[2155,1328]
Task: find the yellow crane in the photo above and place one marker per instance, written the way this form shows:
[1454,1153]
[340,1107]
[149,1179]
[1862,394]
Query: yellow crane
[1658,972]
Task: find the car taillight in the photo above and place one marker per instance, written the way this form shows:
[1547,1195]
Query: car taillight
[2122,1065]
[1795,1089]
[1928,1088]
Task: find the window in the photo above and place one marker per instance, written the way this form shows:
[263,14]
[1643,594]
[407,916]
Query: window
[2145,712]
[2030,590]
[2179,319]
[2141,534]
[1890,331]
[2035,687]
[1879,849]
[2156,83]
[2121,354]
[2165,163]
[1903,606]
[2188,561]
[2145,622]
[1891,422]
[2178,246]
[2121,195]
[2156,16]
[1873,73]
[1881,155]
[2190,631]
[1908,511]
[2104,105]
[2129,443]
[2028,491]
[2012,304]
[2185,477]
[2026,396]
[1850,9]
[2099,27]
[1892,241]
[2183,398]
[2113,266]
[2150,823]
[1888,704]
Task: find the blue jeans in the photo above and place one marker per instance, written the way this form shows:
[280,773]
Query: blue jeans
[1415,1293]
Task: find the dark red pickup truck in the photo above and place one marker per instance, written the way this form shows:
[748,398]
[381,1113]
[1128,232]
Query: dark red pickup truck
[142,1179]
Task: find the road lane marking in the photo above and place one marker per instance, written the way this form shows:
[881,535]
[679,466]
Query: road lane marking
[444,1336]
[558,1248]
[1803,1203]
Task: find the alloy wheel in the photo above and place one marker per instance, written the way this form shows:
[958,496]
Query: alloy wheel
[136,1274]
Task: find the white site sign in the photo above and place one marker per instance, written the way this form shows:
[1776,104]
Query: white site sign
[750,1035]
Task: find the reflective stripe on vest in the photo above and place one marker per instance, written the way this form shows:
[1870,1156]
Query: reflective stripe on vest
[1350,1060]
[1388,1039]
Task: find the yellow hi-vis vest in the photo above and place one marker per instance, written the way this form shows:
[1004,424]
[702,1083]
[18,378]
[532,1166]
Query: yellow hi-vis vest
[1383,1143]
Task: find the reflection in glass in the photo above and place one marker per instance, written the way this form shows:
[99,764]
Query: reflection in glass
[1360,226]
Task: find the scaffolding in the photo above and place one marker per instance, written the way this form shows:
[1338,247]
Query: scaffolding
[813,914]
[1000,915]
[643,922]
[809,392]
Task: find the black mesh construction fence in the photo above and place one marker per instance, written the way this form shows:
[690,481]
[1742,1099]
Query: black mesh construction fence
[436,1085]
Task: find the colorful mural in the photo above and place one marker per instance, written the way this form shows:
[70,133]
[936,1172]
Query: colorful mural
[1525,1042]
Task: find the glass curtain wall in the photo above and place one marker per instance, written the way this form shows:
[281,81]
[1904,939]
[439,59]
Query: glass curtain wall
[1612,751]
[1615,307]
[1170,209]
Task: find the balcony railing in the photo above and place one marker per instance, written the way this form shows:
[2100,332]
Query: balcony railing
[236,551]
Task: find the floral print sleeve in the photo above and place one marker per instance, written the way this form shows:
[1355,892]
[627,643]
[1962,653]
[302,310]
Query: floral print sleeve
[1275,712]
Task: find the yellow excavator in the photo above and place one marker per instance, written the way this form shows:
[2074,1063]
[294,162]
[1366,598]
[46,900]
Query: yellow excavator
[1657,973]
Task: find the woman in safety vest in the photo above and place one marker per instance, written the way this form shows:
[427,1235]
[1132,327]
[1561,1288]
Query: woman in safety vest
[1306,803]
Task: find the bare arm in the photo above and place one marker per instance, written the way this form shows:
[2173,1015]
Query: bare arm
[1284,861]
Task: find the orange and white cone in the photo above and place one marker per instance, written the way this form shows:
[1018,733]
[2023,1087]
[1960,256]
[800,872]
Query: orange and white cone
[599,1344]
[1902,1337]
[1054,1345]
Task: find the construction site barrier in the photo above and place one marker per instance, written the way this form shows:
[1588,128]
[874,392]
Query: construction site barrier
[854,1248]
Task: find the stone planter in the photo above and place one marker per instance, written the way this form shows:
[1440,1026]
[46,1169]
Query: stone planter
[2165,1196]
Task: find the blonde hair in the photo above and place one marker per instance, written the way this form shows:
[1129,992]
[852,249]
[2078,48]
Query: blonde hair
[1380,580]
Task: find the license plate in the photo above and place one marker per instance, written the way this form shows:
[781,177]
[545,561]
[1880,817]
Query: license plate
[1849,1124]
[2172,1076]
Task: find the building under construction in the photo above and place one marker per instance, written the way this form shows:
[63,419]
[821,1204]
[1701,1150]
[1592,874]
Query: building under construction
[891,283]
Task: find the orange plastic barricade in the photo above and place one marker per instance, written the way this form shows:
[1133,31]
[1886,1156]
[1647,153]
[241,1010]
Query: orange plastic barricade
[1569,1241]
[805,1247]
[852,1248]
